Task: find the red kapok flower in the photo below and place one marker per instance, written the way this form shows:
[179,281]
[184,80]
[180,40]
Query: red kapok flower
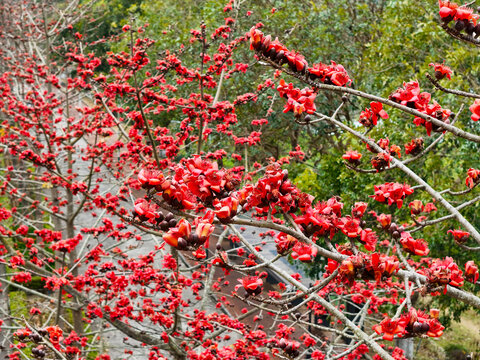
[475,109]
[358,209]
[304,252]
[414,147]
[441,71]
[150,178]
[177,236]
[473,177]
[251,284]
[435,328]
[384,220]
[145,210]
[349,226]
[416,207]
[389,328]
[459,235]
[284,243]
[471,271]
[353,157]
[381,161]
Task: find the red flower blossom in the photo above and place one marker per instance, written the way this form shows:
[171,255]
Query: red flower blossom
[448,9]
[368,238]
[349,226]
[475,109]
[435,328]
[459,235]
[473,177]
[353,157]
[177,236]
[251,284]
[413,246]
[381,161]
[150,178]
[284,243]
[444,272]
[392,193]
[471,271]
[369,117]
[414,147]
[226,208]
[144,210]
[441,71]
[359,209]
[304,252]
[67,245]
[389,328]
[416,207]
[384,220]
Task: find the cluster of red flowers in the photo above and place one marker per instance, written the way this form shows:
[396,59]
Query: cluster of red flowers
[364,266]
[320,219]
[413,323]
[392,193]
[298,101]
[413,246]
[304,252]
[444,272]
[369,116]
[275,190]
[464,17]
[273,49]
[182,237]
[67,245]
[414,147]
[410,95]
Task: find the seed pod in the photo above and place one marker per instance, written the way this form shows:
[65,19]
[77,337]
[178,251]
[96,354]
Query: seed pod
[469,28]
[425,327]
[280,57]
[417,327]
[182,244]
[393,227]
[439,75]
[172,223]
[396,235]
[196,240]
[164,225]
[160,217]
[459,25]
[169,216]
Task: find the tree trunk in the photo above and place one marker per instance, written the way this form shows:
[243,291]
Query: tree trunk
[5,335]
[407,346]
